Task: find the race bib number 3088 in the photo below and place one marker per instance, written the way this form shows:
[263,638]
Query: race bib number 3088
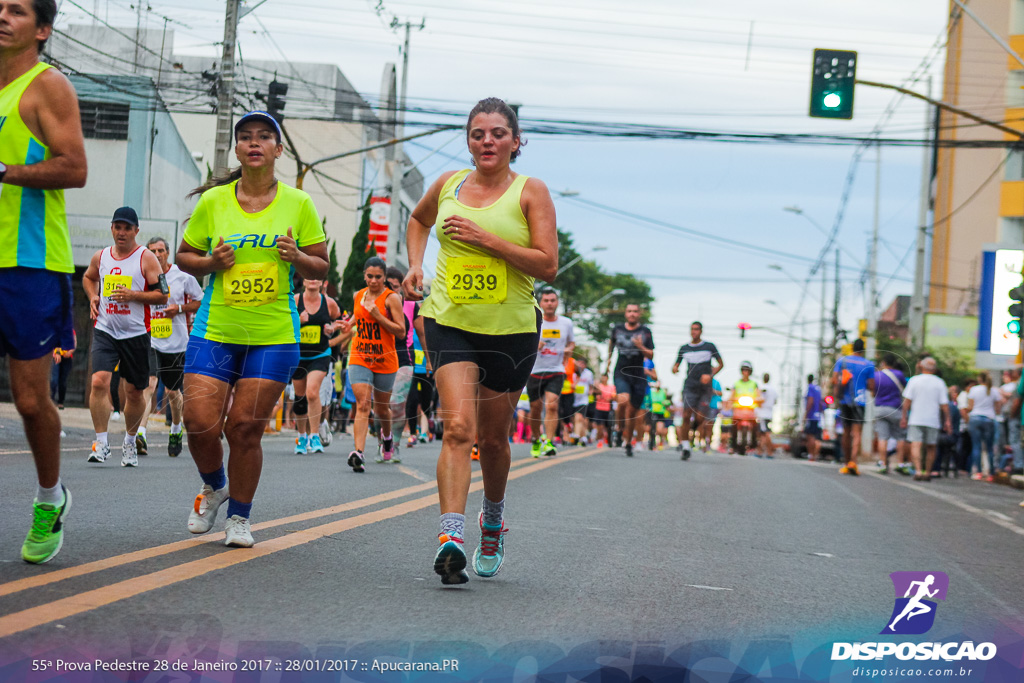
[251,284]
[476,280]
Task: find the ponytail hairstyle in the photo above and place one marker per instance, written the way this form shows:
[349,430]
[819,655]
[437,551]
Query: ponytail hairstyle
[216,181]
[986,379]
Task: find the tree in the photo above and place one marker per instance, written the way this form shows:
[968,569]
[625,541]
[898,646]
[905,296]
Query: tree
[333,277]
[953,366]
[352,279]
[583,283]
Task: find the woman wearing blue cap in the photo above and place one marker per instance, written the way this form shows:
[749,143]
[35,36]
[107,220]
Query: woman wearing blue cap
[251,234]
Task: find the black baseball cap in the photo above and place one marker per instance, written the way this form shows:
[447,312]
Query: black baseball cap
[259,116]
[126,214]
[858,345]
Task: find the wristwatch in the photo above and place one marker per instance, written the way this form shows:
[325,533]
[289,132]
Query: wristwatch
[3,172]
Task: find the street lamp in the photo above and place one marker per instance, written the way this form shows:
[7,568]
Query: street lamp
[579,258]
[615,292]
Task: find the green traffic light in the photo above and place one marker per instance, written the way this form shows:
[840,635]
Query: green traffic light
[832,100]
[1013,326]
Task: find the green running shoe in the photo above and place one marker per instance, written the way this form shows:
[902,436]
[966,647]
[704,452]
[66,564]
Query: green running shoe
[490,554]
[549,447]
[46,536]
[535,448]
[450,561]
[174,444]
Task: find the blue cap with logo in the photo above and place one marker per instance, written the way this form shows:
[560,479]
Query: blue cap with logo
[259,116]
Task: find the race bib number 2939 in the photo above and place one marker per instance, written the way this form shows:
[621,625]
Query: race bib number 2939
[476,280]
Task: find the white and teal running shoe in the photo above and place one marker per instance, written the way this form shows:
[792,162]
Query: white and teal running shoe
[490,554]
[301,445]
[450,561]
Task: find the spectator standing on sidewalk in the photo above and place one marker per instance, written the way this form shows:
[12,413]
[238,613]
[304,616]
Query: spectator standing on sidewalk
[925,412]
[983,403]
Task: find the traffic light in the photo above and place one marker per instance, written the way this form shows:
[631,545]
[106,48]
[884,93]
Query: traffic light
[275,99]
[1016,309]
[832,80]
[743,329]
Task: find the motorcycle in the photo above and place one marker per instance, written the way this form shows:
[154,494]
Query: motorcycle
[744,423]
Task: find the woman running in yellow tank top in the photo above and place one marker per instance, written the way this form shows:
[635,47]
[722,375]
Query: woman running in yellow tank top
[497,233]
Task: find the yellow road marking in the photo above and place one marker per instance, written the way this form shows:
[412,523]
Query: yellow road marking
[148,553]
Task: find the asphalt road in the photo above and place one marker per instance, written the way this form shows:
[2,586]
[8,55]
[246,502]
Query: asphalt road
[606,556]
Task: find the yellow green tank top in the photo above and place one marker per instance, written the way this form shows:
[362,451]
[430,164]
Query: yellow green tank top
[33,223]
[472,290]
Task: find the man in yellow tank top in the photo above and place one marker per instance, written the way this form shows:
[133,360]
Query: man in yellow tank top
[41,153]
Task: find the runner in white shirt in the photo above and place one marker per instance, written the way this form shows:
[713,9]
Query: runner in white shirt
[122,282]
[581,399]
[168,328]
[545,383]
[769,396]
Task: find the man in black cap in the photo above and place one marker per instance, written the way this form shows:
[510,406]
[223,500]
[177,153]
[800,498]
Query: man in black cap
[122,282]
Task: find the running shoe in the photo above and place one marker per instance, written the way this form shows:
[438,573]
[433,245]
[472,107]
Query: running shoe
[315,446]
[423,438]
[100,452]
[394,456]
[411,441]
[905,469]
[490,554]
[549,448]
[387,448]
[326,437]
[850,468]
[629,449]
[475,453]
[205,507]
[174,444]
[977,476]
[450,561]
[237,532]
[355,461]
[301,445]
[535,448]
[141,445]
[686,454]
[115,416]
[582,442]
[46,536]
[129,456]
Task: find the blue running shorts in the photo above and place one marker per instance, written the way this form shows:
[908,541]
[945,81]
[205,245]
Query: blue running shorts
[232,362]
[35,312]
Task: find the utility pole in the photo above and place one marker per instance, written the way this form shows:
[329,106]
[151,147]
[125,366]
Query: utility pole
[821,327]
[835,308]
[917,300]
[138,38]
[867,444]
[397,231]
[226,88]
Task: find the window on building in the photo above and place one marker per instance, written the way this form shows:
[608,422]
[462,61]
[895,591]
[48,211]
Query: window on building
[105,120]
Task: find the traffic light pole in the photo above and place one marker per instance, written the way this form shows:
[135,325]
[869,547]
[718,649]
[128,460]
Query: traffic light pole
[942,105]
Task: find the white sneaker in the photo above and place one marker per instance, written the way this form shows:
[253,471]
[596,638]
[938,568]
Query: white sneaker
[204,510]
[115,416]
[100,452]
[325,434]
[129,456]
[237,533]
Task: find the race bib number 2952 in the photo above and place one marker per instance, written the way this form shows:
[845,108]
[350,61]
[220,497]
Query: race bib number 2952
[251,284]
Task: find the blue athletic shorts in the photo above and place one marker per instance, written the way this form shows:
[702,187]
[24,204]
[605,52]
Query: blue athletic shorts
[35,312]
[232,362]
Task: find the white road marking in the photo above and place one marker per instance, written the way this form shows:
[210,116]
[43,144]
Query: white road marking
[823,554]
[1009,525]
[708,588]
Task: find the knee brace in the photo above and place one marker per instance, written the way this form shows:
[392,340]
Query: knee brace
[301,406]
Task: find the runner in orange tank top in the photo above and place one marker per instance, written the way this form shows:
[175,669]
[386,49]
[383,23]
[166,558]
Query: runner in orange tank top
[376,321]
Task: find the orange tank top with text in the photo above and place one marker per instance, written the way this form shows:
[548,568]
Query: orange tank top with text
[373,347]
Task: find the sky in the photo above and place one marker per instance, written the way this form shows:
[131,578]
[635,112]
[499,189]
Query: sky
[732,65]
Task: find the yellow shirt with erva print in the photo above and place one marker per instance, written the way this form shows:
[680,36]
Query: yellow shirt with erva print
[251,303]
